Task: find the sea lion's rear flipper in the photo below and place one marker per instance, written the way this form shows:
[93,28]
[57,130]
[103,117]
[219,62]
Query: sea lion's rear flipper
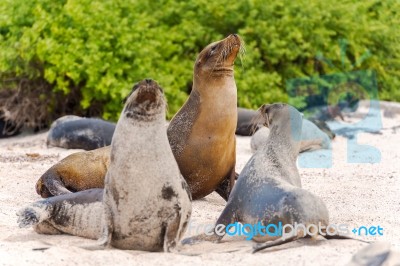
[310,145]
[62,212]
[50,184]
[342,237]
[34,214]
[280,241]
[225,188]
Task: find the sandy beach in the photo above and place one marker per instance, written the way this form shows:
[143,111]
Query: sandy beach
[357,194]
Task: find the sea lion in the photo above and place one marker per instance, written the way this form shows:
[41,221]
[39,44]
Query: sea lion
[312,138]
[268,190]
[76,172]
[246,124]
[74,132]
[202,132]
[145,204]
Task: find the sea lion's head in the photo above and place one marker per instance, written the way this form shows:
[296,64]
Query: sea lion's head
[281,118]
[145,102]
[217,59]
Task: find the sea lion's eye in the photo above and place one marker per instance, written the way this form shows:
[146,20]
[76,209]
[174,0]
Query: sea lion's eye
[213,49]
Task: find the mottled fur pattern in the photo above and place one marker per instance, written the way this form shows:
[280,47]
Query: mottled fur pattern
[145,204]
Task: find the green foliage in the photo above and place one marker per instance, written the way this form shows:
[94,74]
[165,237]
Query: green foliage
[103,47]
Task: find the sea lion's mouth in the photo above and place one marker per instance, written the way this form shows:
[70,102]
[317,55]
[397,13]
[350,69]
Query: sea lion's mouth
[145,100]
[231,47]
[140,113]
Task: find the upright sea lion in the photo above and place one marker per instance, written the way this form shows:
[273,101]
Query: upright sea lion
[74,132]
[268,190]
[202,132]
[146,202]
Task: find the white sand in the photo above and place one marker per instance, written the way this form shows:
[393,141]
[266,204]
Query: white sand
[355,194]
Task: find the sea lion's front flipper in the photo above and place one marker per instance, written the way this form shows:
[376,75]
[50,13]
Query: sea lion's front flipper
[172,232]
[107,227]
[227,217]
[50,184]
[225,188]
[277,242]
[310,145]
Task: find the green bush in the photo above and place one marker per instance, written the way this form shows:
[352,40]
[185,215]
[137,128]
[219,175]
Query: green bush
[100,48]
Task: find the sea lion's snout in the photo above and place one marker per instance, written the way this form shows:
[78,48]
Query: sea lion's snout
[146,99]
[233,44]
[235,38]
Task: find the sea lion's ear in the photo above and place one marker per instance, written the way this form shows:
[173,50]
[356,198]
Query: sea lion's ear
[212,50]
[266,108]
[130,93]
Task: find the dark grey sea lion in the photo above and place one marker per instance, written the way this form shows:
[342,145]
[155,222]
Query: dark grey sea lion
[268,190]
[74,132]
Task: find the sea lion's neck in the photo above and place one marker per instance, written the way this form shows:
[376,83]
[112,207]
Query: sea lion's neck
[280,138]
[276,161]
[216,89]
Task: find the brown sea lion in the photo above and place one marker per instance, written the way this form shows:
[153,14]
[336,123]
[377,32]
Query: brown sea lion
[76,172]
[201,134]
[145,204]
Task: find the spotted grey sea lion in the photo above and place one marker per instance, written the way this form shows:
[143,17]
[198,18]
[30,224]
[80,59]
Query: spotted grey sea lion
[145,204]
